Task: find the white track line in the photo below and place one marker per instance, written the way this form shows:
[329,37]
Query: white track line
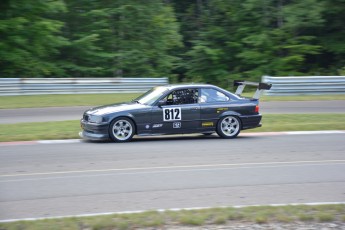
[294,133]
[316,132]
[15,143]
[165,210]
[172,167]
[67,141]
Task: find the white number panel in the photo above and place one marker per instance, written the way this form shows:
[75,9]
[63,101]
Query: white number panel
[172,114]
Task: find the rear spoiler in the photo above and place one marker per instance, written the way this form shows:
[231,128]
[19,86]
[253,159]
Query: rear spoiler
[260,87]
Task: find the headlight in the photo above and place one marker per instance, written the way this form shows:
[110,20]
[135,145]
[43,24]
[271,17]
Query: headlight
[95,119]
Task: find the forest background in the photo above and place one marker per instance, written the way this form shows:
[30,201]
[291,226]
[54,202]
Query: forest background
[212,41]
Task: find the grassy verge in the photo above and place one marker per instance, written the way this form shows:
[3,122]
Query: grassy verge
[173,219]
[300,122]
[32,101]
[271,123]
[39,131]
[300,97]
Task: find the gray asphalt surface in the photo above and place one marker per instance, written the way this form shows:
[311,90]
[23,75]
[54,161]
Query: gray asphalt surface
[43,180]
[9,116]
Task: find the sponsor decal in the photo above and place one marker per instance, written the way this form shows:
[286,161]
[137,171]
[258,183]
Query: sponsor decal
[172,114]
[177,125]
[147,126]
[207,124]
[157,125]
[221,109]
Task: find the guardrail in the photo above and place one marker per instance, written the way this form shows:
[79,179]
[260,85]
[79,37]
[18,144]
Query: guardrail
[37,86]
[305,85]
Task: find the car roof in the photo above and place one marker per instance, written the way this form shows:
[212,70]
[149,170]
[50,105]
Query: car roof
[194,85]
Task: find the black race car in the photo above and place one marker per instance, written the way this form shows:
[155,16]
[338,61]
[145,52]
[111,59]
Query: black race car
[176,109]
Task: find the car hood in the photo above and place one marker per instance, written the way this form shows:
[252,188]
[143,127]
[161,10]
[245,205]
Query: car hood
[108,109]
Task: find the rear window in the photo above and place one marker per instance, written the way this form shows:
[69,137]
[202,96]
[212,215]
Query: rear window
[212,95]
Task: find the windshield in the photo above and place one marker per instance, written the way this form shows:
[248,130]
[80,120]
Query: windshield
[151,96]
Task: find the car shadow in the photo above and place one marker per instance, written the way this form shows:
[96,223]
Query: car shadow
[180,137]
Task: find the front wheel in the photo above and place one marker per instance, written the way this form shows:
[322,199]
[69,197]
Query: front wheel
[229,127]
[121,129]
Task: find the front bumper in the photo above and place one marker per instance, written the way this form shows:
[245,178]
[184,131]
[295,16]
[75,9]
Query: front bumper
[93,136]
[92,131]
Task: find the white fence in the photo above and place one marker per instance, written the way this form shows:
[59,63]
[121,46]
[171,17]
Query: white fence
[305,85]
[280,85]
[36,86]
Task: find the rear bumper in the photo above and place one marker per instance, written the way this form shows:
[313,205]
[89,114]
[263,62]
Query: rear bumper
[250,122]
[92,131]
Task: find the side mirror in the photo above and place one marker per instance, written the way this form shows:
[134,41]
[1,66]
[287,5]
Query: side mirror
[161,103]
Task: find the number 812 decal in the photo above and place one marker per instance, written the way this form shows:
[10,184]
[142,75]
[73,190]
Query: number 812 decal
[172,114]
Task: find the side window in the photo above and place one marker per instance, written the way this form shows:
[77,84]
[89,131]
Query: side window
[212,95]
[182,96]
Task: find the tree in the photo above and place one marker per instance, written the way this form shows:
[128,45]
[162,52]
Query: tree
[121,38]
[211,55]
[30,38]
[331,38]
[84,23]
[199,40]
[250,38]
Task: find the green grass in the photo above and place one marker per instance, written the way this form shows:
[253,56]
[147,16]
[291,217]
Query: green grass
[39,131]
[300,122]
[32,101]
[193,218]
[325,217]
[271,123]
[171,219]
[305,217]
[300,97]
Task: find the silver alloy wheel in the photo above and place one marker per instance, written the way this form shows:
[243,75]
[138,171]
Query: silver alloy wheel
[122,130]
[230,126]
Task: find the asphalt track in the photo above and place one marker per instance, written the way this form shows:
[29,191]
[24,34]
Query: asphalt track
[59,179]
[10,116]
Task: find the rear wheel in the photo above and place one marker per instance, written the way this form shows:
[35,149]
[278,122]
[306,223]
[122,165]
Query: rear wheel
[121,129]
[229,127]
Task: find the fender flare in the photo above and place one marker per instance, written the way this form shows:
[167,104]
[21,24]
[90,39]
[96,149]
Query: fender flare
[126,115]
[229,113]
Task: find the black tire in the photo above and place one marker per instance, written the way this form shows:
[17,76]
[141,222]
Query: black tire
[121,129]
[229,127]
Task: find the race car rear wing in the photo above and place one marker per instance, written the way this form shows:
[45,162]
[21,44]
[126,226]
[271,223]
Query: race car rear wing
[260,87]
